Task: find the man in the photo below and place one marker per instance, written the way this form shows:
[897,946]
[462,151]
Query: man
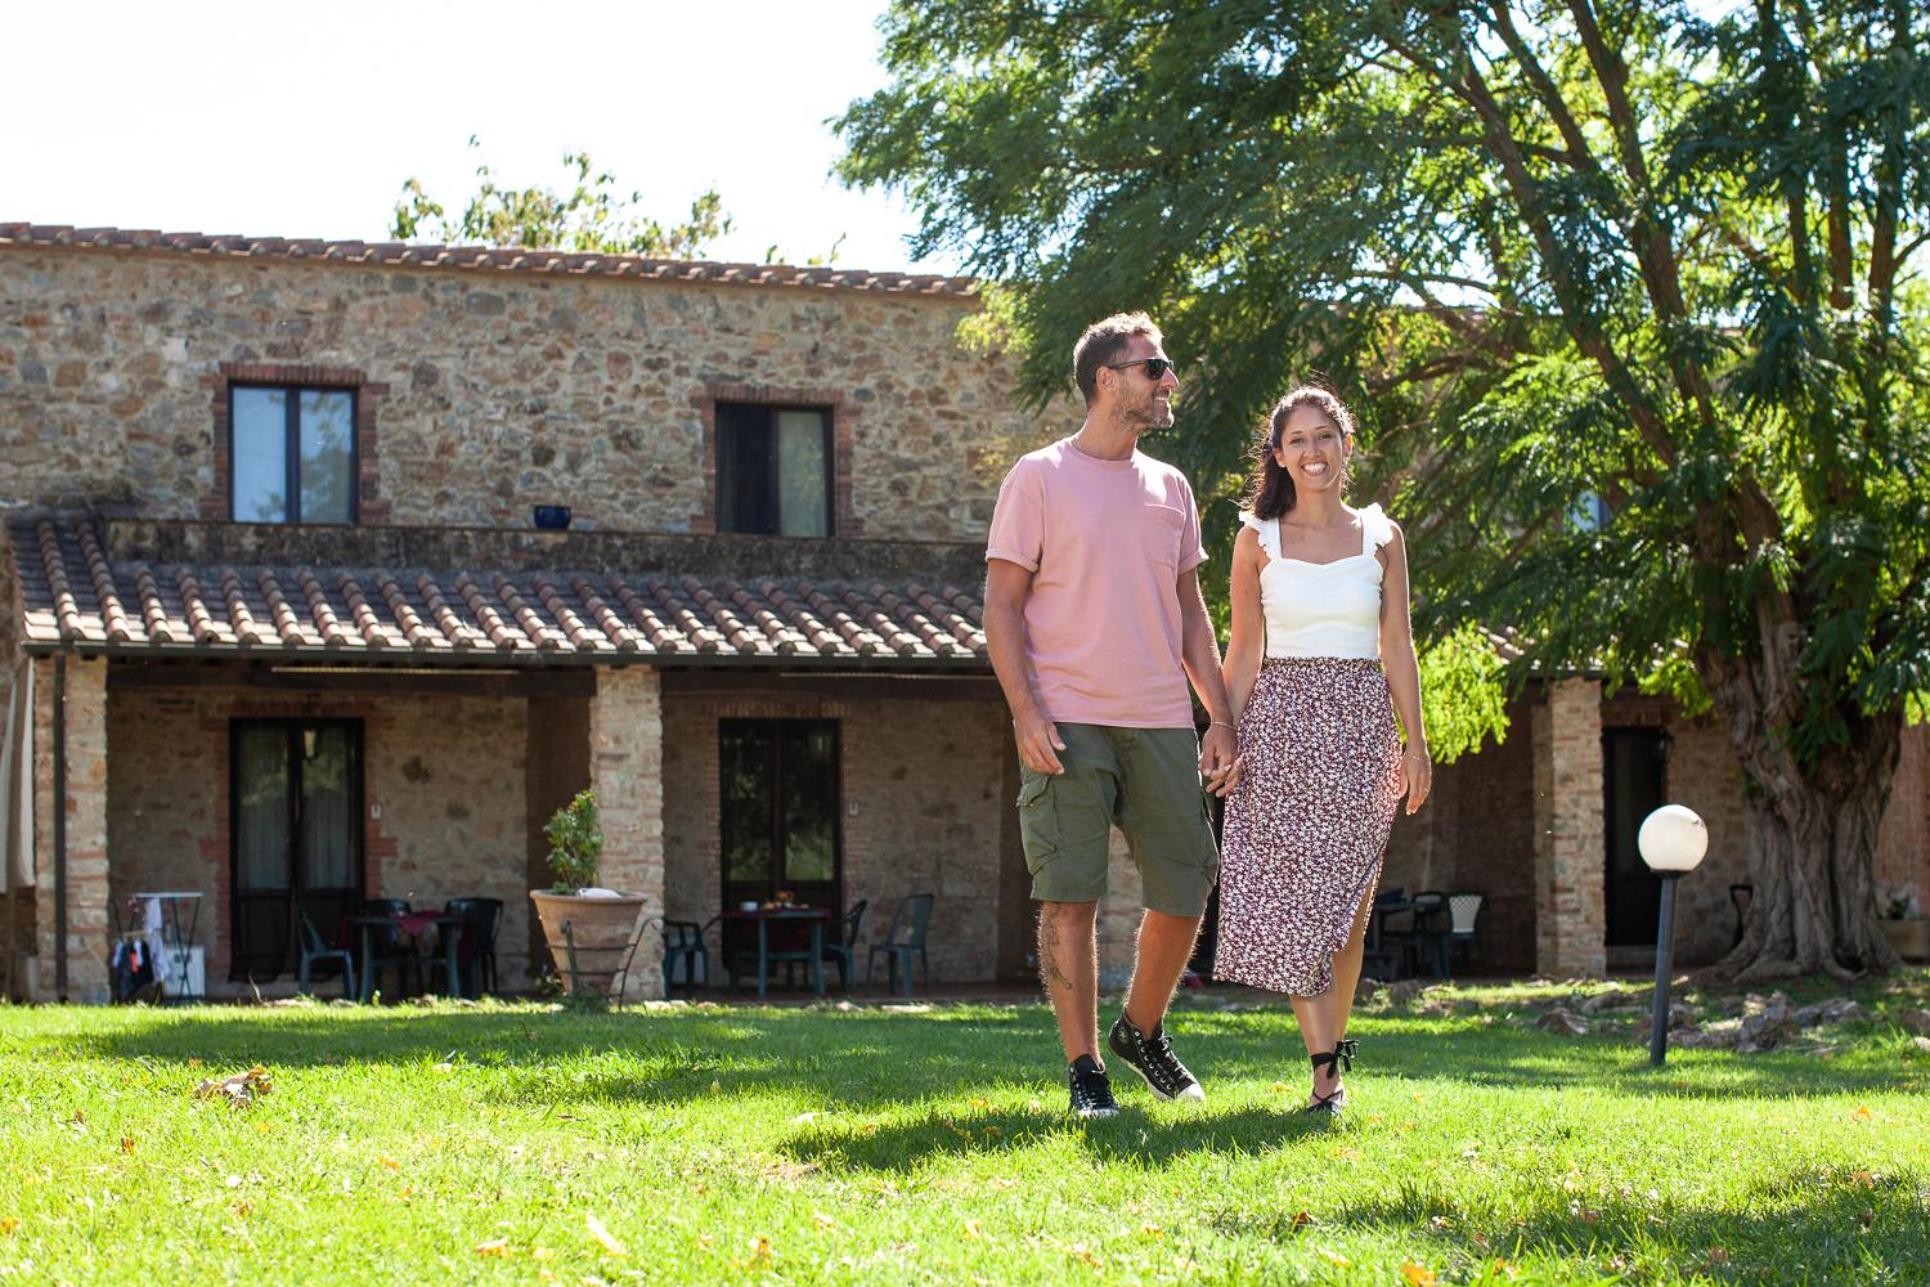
[1094,620]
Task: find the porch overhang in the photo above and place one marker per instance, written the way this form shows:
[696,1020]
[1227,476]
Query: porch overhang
[472,597]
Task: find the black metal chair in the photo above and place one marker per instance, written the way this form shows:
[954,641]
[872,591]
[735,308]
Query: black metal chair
[1380,956]
[843,949]
[904,940]
[388,950]
[1425,937]
[481,917]
[683,946]
[314,950]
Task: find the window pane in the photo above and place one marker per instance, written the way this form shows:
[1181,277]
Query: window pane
[328,806]
[810,802]
[260,432]
[261,814]
[744,753]
[328,455]
[745,500]
[802,464]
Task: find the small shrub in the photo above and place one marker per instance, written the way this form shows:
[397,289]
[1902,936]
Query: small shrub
[576,843]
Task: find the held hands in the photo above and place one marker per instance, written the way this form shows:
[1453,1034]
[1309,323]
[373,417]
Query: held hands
[1220,760]
[1038,740]
[1417,774]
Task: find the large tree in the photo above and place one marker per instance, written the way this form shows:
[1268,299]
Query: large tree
[1623,291]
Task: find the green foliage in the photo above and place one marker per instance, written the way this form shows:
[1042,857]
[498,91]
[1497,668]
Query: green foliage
[576,843]
[592,215]
[1648,252]
[1464,696]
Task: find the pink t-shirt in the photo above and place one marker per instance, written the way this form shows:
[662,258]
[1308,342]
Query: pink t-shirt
[1106,541]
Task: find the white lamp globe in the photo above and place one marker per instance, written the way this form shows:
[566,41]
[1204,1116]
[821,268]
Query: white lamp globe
[1672,839]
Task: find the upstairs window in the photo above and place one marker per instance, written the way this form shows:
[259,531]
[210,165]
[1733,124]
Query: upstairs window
[293,454]
[773,470]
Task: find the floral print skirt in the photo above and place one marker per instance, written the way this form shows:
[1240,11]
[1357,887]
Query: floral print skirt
[1307,827]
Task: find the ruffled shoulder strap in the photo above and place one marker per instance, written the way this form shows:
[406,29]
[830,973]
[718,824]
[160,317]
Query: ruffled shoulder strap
[1269,530]
[1376,529]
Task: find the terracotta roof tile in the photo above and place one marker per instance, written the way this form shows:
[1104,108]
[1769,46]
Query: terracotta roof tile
[143,608]
[394,254]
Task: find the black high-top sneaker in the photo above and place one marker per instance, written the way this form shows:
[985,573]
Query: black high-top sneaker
[1151,1056]
[1091,1091]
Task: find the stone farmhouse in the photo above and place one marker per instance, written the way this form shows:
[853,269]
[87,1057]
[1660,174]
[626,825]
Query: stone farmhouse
[283,621]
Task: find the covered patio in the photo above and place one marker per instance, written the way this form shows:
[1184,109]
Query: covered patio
[300,721]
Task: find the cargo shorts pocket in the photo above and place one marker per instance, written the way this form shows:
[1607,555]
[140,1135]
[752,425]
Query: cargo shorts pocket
[1038,819]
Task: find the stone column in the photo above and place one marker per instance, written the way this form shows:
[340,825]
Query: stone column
[1571,920]
[86,822]
[626,770]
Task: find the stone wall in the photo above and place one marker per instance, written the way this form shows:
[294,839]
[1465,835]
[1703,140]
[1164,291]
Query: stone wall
[922,797]
[1702,774]
[443,802]
[491,392]
[1476,834]
[1903,844]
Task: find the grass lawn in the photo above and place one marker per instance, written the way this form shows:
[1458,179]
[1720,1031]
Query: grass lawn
[705,1143]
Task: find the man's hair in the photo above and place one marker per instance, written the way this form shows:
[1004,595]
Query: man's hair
[1103,342]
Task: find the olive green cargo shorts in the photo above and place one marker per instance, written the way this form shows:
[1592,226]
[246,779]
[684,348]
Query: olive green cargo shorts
[1147,780]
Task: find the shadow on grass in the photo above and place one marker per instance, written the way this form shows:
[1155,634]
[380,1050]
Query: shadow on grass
[1818,1225]
[1134,1137]
[671,1056]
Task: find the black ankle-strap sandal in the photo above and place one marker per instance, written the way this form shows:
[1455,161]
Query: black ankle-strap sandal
[1340,1059]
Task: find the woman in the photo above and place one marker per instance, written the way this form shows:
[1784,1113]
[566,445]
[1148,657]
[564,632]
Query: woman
[1321,589]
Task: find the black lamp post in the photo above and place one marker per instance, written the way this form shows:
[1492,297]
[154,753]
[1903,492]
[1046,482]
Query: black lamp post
[1672,841]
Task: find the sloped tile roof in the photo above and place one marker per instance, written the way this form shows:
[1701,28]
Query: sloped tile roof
[73,595]
[396,254]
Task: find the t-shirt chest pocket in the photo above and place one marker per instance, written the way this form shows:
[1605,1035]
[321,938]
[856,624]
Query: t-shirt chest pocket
[1160,530]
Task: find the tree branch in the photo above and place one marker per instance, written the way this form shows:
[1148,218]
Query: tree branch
[1582,327]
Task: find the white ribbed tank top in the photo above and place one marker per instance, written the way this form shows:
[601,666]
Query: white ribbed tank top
[1323,609]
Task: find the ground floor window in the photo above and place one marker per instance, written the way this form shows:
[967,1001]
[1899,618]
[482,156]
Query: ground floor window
[296,802]
[779,808]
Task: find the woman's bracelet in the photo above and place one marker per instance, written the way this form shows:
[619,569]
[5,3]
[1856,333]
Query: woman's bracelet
[1219,723]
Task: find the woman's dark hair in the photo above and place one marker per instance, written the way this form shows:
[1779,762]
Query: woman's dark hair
[1271,494]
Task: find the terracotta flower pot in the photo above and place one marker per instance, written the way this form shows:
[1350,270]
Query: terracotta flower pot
[600,934]
[1910,938]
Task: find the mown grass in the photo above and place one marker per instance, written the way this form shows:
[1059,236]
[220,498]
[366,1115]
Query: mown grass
[879,1144]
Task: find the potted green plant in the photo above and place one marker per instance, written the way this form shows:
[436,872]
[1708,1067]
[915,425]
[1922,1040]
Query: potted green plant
[1906,927]
[590,930]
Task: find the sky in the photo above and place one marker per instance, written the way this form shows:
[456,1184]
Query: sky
[274,119]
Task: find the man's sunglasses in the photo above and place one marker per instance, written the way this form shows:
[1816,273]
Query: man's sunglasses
[1156,368]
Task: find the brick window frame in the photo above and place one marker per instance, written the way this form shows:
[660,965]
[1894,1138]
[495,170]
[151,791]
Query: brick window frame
[844,523]
[371,508]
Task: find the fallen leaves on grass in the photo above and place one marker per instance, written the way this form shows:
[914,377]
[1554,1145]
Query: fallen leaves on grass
[760,1257]
[238,1091]
[7,1225]
[1334,1258]
[1417,1275]
[1862,1113]
[823,1221]
[1301,1220]
[603,1236]
[127,1144]
[493,1247]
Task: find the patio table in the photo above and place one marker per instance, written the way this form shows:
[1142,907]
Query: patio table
[816,917]
[414,925]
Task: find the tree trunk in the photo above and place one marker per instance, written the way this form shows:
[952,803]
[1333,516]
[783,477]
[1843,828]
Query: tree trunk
[1811,831]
